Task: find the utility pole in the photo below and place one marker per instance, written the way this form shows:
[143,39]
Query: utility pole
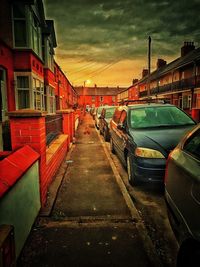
[149,66]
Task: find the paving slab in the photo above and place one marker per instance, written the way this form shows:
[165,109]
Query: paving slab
[90,222]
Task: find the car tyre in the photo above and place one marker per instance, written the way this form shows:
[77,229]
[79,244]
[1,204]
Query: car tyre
[112,149]
[188,255]
[131,178]
[105,135]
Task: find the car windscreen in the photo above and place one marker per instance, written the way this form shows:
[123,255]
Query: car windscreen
[159,116]
[99,109]
[109,113]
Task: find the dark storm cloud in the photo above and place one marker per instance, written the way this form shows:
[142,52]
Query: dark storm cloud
[118,29]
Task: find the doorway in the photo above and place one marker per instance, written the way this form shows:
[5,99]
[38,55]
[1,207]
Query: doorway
[3,105]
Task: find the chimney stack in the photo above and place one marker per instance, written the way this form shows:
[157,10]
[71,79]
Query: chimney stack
[134,81]
[160,63]
[145,72]
[186,48]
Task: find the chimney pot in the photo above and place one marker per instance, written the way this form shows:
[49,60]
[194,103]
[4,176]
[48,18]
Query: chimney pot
[160,63]
[186,48]
[145,72]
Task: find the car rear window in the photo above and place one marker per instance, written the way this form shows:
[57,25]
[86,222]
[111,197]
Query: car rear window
[99,109]
[148,117]
[110,112]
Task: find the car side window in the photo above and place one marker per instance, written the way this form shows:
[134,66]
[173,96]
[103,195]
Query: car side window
[192,145]
[116,115]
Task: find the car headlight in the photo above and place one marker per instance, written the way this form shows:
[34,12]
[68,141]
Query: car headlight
[148,153]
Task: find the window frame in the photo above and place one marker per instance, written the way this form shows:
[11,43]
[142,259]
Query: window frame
[22,74]
[25,19]
[187,141]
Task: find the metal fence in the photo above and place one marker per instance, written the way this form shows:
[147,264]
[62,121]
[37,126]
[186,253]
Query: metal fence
[6,135]
[53,127]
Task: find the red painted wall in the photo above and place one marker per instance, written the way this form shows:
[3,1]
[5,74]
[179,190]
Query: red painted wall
[31,131]
[133,93]
[88,100]
[6,62]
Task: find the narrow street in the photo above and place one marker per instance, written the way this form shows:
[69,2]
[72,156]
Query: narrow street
[91,220]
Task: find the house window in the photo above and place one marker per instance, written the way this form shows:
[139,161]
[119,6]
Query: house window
[101,98]
[27,30]
[186,102]
[50,53]
[113,98]
[93,98]
[20,27]
[51,100]
[38,95]
[36,35]
[23,92]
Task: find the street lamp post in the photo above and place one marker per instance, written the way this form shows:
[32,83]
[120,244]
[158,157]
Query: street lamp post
[149,66]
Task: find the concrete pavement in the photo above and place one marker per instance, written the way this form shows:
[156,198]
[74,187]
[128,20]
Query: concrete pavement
[89,220]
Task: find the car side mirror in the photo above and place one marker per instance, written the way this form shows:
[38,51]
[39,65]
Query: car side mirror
[121,126]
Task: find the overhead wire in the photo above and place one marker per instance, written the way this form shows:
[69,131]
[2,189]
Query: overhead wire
[98,71]
[86,66]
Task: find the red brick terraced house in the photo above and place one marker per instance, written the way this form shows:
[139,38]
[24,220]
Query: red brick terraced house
[178,81]
[36,98]
[89,97]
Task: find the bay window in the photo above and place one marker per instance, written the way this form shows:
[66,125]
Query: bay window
[23,92]
[38,95]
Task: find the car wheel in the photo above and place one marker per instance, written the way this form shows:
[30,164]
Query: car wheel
[112,149]
[131,178]
[189,255]
[100,131]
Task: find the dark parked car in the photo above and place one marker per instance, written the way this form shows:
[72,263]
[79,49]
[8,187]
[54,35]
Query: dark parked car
[142,135]
[104,121]
[182,194]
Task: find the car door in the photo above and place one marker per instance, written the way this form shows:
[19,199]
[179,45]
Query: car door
[191,149]
[101,120]
[121,135]
[185,185]
[113,126]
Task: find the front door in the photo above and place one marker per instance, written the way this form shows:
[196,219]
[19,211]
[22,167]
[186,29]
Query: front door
[3,103]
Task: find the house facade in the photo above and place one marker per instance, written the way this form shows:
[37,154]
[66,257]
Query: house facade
[36,97]
[177,81]
[29,76]
[89,97]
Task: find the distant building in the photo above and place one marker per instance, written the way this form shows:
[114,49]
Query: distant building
[97,96]
[179,81]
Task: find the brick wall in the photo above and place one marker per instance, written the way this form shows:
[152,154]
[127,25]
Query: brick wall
[28,127]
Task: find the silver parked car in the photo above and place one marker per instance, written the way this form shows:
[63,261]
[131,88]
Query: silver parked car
[182,194]
[97,116]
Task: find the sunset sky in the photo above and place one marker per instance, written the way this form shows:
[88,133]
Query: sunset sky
[106,41]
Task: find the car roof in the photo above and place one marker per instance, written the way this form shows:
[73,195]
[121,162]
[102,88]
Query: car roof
[109,107]
[144,105]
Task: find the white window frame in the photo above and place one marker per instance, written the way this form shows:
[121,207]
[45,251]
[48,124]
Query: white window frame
[23,74]
[38,91]
[29,22]
[50,96]
[27,28]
